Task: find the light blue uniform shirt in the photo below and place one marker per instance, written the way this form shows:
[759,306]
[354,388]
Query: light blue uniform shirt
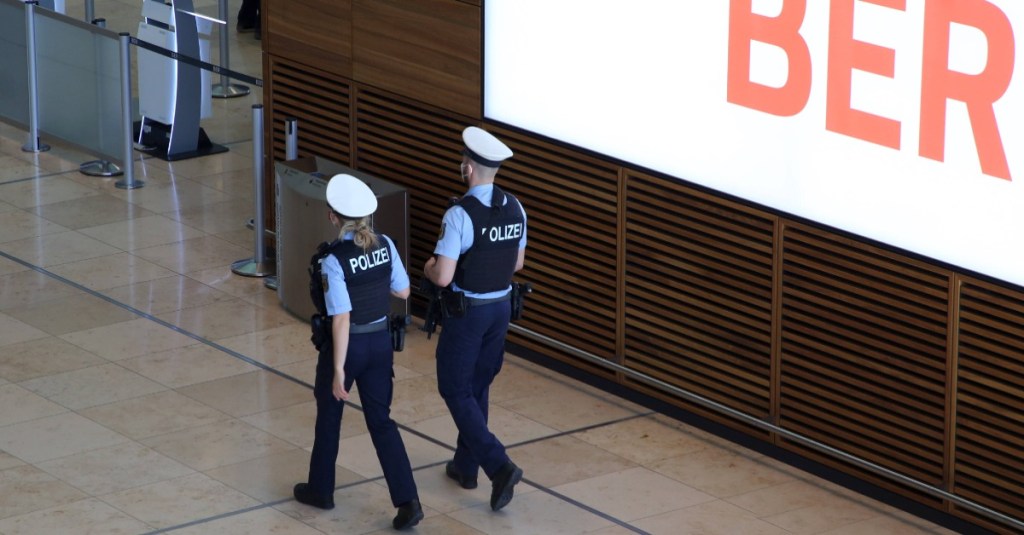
[337,298]
[457,234]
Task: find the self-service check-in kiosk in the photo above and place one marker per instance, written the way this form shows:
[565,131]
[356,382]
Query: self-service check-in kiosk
[173,95]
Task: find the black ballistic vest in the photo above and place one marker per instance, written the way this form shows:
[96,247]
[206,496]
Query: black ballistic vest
[368,279]
[487,266]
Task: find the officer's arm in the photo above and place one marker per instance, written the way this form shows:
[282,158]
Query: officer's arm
[440,269]
[521,259]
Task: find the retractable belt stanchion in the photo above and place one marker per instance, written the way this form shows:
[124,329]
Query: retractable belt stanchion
[226,89]
[90,12]
[33,144]
[103,168]
[127,166]
[291,152]
[257,266]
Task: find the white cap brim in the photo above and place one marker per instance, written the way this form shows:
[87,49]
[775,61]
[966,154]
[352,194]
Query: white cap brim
[483,147]
[350,196]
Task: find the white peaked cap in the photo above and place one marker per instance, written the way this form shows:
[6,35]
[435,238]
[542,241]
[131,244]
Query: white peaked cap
[484,147]
[350,196]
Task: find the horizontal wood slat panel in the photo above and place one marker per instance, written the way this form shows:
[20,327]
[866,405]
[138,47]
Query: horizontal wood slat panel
[570,202]
[864,351]
[321,103]
[698,293]
[990,398]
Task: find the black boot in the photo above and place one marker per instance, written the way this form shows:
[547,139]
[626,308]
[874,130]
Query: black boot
[303,494]
[463,480]
[503,485]
[409,514]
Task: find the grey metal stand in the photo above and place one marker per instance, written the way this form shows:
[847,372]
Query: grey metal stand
[129,181]
[33,144]
[226,89]
[257,266]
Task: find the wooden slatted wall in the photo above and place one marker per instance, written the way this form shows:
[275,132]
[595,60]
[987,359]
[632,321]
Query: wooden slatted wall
[989,466]
[319,100]
[571,202]
[699,293]
[864,351]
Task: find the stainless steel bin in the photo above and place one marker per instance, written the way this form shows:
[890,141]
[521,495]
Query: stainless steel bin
[302,224]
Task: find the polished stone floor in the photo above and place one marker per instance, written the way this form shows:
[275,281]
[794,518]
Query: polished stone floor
[145,388]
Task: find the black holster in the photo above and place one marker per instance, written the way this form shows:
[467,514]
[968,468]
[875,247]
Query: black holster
[396,326]
[321,327]
[454,304]
[519,291]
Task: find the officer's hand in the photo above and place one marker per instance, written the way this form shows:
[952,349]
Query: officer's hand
[338,389]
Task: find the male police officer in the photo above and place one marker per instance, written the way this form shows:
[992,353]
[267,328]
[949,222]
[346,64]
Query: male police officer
[482,243]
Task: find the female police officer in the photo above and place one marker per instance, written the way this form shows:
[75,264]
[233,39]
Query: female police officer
[482,243]
[361,269]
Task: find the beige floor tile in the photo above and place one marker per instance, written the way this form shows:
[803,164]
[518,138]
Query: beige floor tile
[633,494]
[711,518]
[562,460]
[60,158]
[822,517]
[249,393]
[437,525]
[21,405]
[535,512]
[155,414]
[45,356]
[184,366]
[294,424]
[510,428]
[161,197]
[214,218]
[885,526]
[195,254]
[26,488]
[32,193]
[95,385]
[106,272]
[13,331]
[71,313]
[442,494]
[9,461]
[54,437]
[226,281]
[84,516]
[274,347]
[643,440]
[26,288]
[272,478]
[115,468]
[58,248]
[226,319]
[178,501]
[9,266]
[258,521]
[788,496]
[238,183]
[358,509]
[357,453]
[304,371]
[142,232]
[14,168]
[417,399]
[219,444]
[720,472]
[129,339]
[211,165]
[90,211]
[19,224]
[566,409]
[167,294]
[518,382]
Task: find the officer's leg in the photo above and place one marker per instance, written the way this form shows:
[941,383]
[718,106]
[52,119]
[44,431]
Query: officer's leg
[458,351]
[328,428]
[376,387]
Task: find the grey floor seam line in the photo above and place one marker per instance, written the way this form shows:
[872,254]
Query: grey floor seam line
[36,177]
[265,367]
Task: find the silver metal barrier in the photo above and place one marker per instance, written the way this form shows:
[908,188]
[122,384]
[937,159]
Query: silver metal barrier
[101,167]
[129,181]
[291,138]
[257,266]
[225,89]
[33,144]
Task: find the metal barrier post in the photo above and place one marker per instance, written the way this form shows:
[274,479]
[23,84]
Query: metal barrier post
[33,144]
[257,266]
[104,168]
[128,166]
[225,89]
[291,138]
[90,11]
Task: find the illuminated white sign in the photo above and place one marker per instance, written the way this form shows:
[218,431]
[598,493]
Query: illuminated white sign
[898,120]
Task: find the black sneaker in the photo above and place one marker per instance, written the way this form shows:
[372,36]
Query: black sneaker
[303,494]
[463,480]
[503,485]
[409,514]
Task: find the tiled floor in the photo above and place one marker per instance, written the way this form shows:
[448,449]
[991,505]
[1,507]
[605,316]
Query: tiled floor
[145,388]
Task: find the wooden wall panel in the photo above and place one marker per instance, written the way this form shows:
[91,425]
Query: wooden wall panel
[698,296]
[989,467]
[427,50]
[864,352]
[321,102]
[312,32]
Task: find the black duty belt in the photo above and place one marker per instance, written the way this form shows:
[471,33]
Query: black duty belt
[367,328]
[475,301]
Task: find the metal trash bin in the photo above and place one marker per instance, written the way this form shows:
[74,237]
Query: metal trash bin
[302,223]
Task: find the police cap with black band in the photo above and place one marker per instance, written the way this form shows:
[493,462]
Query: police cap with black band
[350,197]
[483,148]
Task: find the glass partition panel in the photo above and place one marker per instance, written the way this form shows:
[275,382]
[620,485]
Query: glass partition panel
[13,65]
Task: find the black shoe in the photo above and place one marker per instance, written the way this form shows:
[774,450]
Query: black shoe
[304,495]
[409,514]
[245,26]
[463,480]
[503,485]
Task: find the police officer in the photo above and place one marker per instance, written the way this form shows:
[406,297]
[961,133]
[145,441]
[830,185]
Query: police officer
[482,243]
[361,269]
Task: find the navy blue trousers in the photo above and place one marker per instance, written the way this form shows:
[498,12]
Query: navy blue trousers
[369,364]
[470,352]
